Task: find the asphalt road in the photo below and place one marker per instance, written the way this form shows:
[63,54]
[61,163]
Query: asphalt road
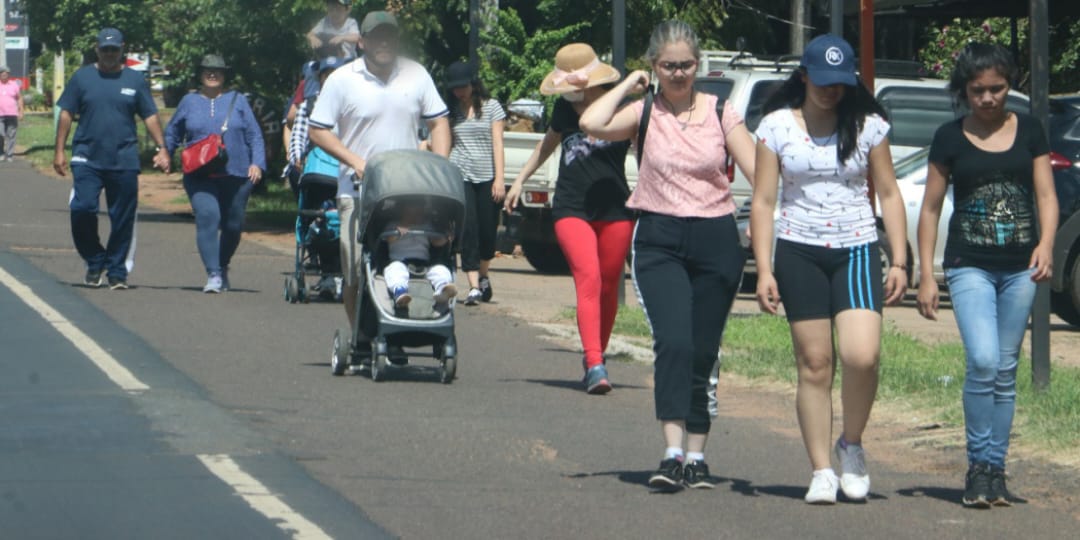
[513,449]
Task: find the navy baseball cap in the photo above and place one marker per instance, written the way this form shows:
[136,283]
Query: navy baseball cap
[829,60]
[110,37]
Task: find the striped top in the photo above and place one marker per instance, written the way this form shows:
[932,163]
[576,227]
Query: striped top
[472,151]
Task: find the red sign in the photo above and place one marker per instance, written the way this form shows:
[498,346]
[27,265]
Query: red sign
[11,27]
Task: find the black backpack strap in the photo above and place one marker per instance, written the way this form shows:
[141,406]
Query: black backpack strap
[643,124]
[720,102]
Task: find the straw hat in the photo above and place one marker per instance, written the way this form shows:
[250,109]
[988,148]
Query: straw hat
[576,68]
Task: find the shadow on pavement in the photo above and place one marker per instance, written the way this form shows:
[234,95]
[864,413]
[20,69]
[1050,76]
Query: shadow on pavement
[949,495]
[570,384]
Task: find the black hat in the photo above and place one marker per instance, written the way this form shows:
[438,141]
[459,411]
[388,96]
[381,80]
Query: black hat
[459,74]
[213,61]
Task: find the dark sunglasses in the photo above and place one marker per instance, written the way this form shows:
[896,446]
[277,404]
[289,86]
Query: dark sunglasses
[672,67]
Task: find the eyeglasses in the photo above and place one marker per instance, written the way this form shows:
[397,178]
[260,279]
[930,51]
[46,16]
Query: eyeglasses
[671,67]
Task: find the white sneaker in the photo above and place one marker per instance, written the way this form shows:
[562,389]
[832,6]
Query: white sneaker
[853,478]
[474,297]
[823,487]
[446,294]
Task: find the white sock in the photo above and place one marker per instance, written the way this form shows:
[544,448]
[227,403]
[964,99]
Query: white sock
[673,452]
[693,457]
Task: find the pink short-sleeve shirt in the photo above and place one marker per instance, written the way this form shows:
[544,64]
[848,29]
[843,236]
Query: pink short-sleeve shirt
[683,171]
[9,97]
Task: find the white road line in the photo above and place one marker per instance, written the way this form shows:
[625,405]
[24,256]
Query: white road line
[102,359]
[261,499]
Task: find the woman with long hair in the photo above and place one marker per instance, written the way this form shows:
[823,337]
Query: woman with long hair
[218,196]
[592,223]
[999,167]
[477,122]
[687,258]
[823,135]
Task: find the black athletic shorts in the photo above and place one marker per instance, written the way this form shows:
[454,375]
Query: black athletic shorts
[818,282]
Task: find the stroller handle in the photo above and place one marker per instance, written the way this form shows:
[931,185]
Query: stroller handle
[313,213]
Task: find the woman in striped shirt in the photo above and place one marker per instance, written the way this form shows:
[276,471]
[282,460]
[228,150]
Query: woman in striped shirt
[477,122]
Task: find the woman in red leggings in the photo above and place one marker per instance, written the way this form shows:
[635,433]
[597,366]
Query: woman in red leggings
[592,223]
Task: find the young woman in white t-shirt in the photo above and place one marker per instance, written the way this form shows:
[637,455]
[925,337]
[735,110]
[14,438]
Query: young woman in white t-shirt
[822,136]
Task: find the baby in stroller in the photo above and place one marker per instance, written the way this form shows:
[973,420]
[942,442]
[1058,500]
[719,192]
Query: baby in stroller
[409,241]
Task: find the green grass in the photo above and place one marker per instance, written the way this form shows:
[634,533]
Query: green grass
[913,374]
[273,207]
[38,135]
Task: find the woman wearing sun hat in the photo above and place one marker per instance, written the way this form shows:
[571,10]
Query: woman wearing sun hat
[592,223]
[822,135]
[687,258]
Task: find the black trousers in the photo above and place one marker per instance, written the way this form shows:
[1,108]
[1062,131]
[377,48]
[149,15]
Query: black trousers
[687,273]
[481,225]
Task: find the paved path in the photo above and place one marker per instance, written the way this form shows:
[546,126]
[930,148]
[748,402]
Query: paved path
[512,449]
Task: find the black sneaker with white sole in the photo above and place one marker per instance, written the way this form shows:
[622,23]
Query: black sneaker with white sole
[94,278]
[118,284]
[668,477]
[474,297]
[696,475]
[977,486]
[486,292]
[999,492]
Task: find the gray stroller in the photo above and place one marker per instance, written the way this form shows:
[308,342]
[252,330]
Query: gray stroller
[386,337]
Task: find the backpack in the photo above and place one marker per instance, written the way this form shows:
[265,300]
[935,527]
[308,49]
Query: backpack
[321,163]
[646,112]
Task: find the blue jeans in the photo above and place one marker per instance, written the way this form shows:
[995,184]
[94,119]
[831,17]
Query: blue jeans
[992,310]
[122,195]
[219,205]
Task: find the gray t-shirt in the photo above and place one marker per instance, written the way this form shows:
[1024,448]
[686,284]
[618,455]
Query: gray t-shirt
[325,30]
[473,151]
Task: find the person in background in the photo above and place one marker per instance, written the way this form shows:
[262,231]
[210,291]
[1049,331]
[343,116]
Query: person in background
[592,224]
[823,135]
[351,124]
[299,141]
[336,34]
[687,258]
[998,165]
[11,111]
[218,197]
[477,122]
[106,97]
[307,88]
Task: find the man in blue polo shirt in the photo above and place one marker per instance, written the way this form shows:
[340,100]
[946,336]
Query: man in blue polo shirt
[105,97]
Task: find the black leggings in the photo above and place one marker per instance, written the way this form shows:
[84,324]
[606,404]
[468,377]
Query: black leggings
[687,272]
[481,225]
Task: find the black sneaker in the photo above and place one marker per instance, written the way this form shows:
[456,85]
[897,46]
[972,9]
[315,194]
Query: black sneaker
[977,486]
[669,477]
[94,278]
[118,284]
[696,475]
[486,292]
[999,492]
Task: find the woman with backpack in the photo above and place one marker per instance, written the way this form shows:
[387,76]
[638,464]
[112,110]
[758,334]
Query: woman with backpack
[687,259]
[218,194]
[823,135]
[592,224]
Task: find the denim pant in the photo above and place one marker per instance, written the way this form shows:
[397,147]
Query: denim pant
[992,310]
[219,205]
[122,195]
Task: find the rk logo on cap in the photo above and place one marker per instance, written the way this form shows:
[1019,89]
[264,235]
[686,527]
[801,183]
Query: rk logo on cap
[834,56]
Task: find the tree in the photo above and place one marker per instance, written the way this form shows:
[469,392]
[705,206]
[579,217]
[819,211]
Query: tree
[73,25]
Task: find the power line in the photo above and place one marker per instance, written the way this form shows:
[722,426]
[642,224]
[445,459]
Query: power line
[743,5]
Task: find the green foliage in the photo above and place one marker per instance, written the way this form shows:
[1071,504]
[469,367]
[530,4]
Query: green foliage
[74,24]
[514,63]
[943,44]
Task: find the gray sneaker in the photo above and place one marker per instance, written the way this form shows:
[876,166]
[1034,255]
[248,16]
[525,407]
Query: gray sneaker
[854,481]
[214,284]
[474,297]
[596,380]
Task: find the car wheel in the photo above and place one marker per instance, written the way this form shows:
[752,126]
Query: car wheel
[545,257]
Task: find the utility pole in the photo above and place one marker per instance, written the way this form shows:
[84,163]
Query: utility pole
[798,26]
[1039,19]
[618,35]
[836,17]
[3,32]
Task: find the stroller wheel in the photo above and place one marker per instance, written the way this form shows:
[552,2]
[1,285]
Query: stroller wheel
[342,353]
[292,290]
[448,371]
[303,293]
[379,367]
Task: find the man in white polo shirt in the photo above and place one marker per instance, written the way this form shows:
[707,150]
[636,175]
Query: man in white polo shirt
[373,105]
